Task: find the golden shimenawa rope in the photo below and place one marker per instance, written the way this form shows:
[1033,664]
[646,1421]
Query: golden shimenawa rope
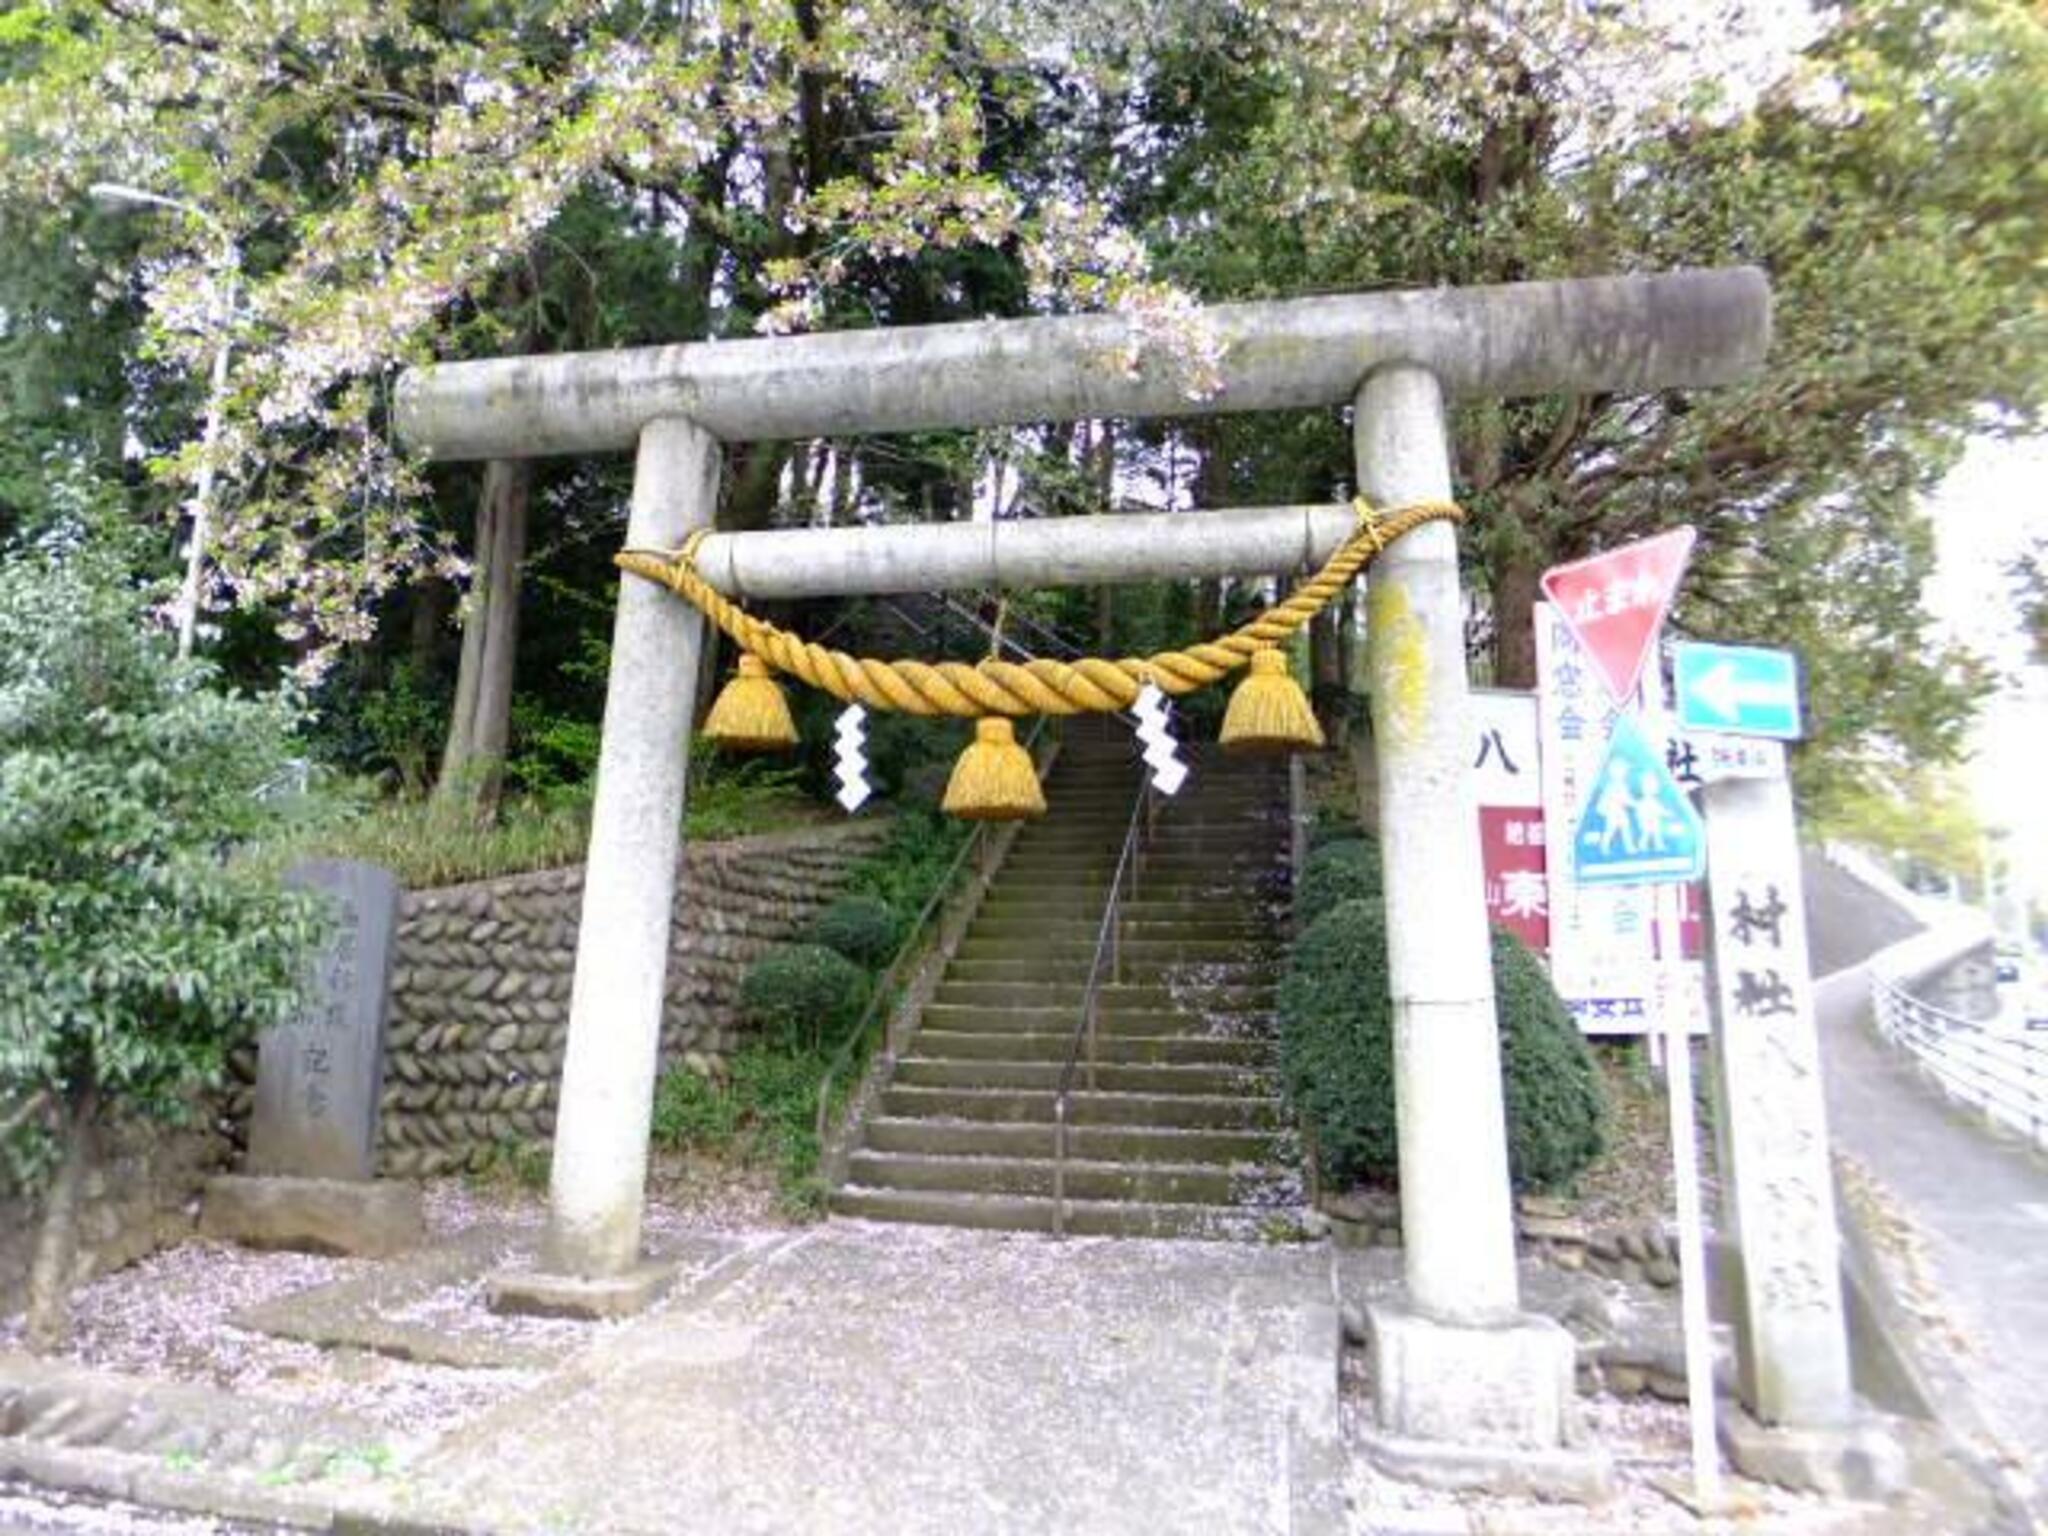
[993,686]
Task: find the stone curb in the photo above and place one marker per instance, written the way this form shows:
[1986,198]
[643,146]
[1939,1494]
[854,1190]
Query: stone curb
[146,1481]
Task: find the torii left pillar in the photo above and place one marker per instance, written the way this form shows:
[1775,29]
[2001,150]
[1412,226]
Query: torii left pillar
[591,1264]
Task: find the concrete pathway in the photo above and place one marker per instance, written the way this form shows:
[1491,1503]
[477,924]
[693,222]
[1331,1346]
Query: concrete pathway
[1977,1203]
[909,1380]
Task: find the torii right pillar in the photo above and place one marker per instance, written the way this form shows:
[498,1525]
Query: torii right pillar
[1470,1390]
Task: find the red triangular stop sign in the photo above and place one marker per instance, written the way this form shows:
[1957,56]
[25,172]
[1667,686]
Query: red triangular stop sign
[1616,602]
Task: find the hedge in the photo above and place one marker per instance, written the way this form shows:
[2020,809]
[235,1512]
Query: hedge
[1336,1021]
[863,928]
[1337,872]
[803,995]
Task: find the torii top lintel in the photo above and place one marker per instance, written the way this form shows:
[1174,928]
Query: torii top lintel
[1590,335]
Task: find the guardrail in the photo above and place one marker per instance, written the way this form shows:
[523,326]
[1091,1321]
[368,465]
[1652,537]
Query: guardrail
[2002,1072]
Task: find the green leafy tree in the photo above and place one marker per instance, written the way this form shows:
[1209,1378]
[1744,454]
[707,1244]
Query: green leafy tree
[393,177]
[1884,170]
[1922,815]
[135,949]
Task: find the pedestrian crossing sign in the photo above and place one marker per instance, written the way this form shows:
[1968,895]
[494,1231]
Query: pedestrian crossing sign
[1638,827]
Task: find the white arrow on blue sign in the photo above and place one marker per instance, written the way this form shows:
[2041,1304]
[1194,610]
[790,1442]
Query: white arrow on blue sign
[1739,689]
[1638,827]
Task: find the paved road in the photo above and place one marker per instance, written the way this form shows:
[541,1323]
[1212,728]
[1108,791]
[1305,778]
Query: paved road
[1977,1203]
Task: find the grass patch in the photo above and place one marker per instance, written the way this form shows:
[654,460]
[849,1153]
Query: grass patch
[427,843]
[762,1113]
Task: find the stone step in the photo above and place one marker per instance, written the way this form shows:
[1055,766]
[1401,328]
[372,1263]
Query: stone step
[1105,853]
[1074,953]
[1220,826]
[1053,1045]
[1091,1218]
[1066,926]
[1144,997]
[1077,934]
[1229,892]
[1232,1111]
[1207,782]
[1160,1183]
[1212,803]
[1198,870]
[1097,1143]
[1170,907]
[1184,1024]
[1113,1077]
[1058,927]
[1220,892]
[1192,977]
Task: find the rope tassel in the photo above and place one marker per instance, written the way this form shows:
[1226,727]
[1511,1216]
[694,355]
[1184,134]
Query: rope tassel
[1268,711]
[995,779]
[750,713]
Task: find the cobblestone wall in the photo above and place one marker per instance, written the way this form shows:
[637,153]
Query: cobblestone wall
[480,986]
[142,1195]
[479,1019]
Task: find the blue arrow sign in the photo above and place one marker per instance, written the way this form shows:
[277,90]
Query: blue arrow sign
[1738,689]
[1638,828]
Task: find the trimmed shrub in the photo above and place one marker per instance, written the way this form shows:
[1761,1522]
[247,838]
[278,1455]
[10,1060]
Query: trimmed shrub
[803,995]
[1557,1104]
[865,929]
[1345,870]
[1337,1054]
[1333,826]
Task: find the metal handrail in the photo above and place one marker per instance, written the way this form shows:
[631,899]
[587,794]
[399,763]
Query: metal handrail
[2004,1074]
[1107,943]
[913,944]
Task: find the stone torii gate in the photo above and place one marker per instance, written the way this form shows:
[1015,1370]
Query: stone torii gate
[1457,1363]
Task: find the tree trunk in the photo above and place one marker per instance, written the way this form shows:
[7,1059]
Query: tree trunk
[1351,606]
[1325,655]
[472,767]
[49,1276]
[1516,587]
[426,627]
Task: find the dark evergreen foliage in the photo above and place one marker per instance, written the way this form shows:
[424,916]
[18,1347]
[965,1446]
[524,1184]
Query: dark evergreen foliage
[1337,1021]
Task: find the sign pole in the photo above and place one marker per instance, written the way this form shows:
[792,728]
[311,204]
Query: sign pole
[1685,1170]
[1638,828]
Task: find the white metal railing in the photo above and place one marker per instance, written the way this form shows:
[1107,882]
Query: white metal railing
[2003,1072]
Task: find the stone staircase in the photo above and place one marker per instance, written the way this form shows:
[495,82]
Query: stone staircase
[1183,1133]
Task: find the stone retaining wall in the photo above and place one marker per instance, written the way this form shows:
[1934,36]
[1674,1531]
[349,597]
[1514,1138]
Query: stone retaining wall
[481,976]
[479,1019]
[142,1195]
[1546,1228]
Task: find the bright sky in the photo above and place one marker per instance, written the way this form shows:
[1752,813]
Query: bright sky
[1988,512]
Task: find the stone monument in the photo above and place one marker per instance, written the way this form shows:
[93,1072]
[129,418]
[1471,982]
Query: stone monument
[309,1180]
[1799,1422]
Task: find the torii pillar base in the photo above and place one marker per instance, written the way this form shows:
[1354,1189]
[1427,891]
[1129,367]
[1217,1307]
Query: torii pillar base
[1492,1408]
[600,1298]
